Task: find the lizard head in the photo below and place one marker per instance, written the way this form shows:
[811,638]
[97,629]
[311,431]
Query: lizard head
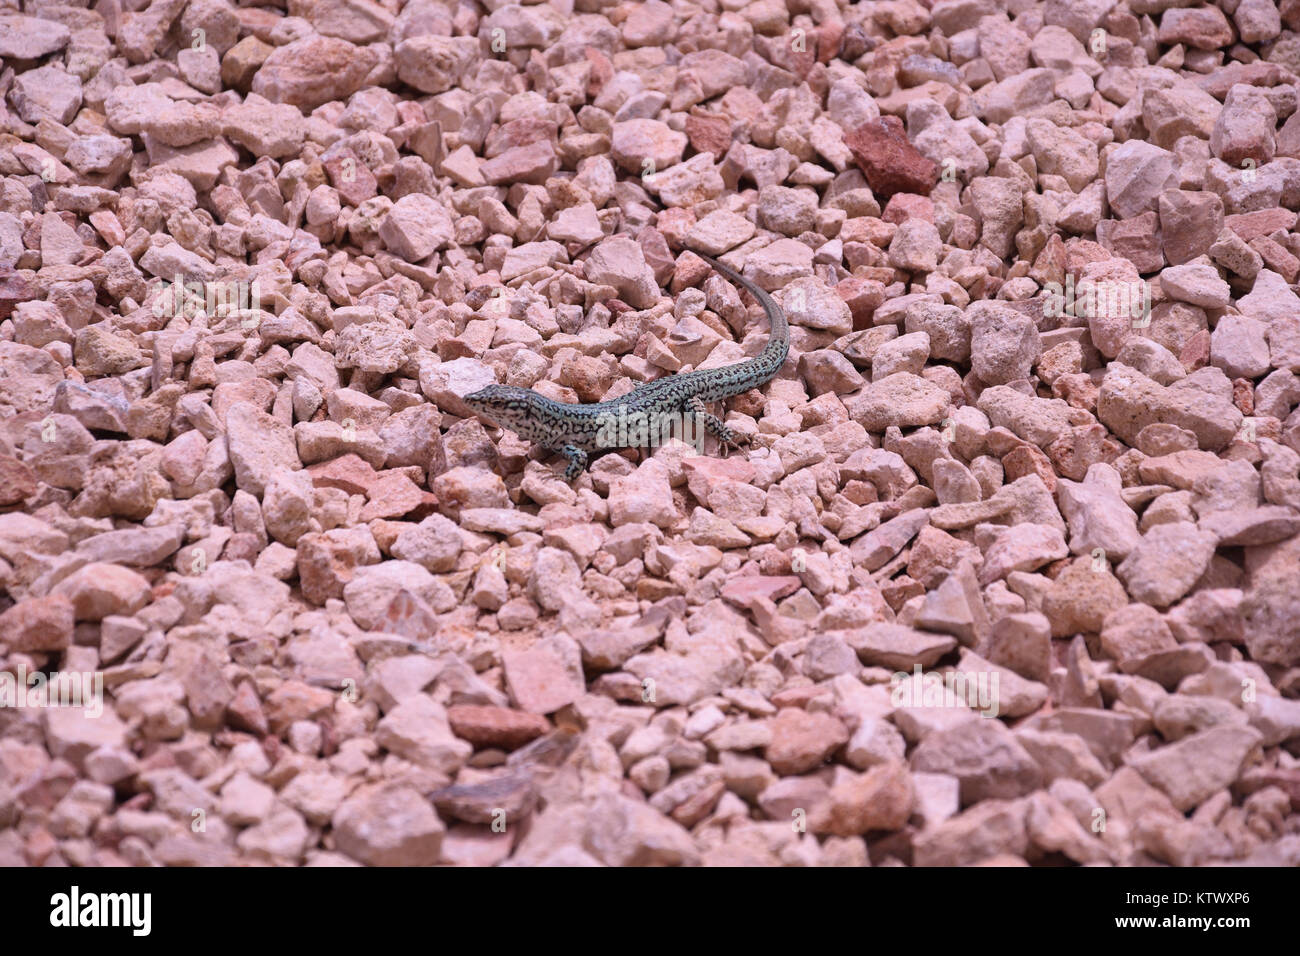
[507,405]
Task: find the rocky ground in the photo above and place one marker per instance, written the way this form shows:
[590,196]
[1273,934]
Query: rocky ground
[1009,572]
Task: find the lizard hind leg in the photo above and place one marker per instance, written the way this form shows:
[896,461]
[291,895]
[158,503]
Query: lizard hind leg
[577,462]
[715,426]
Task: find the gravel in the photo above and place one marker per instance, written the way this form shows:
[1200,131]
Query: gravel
[1006,574]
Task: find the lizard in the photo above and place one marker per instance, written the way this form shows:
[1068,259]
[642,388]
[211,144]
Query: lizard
[573,430]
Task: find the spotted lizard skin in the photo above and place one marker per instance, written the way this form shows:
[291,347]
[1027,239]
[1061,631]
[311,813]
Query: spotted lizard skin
[572,430]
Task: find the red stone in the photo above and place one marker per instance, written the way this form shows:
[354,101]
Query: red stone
[1027,459]
[889,160]
[244,712]
[904,206]
[829,36]
[863,297]
[690,269]
[17,481]
[352,178]
[496,726]
[709,134]
[1290,10]
[1196,353]
[1243,395]
[349,472]
[14,288]
[1261,222]
[1205,28]
[742,589]
[602,70]
[797,696]
[38,624]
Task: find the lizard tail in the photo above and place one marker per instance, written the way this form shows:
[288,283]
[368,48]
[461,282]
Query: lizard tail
[769,361]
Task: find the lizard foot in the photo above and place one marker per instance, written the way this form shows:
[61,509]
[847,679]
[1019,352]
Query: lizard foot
[716,427]
[577,462]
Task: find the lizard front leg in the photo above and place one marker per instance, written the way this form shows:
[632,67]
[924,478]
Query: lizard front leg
[577,462]
[714,425]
